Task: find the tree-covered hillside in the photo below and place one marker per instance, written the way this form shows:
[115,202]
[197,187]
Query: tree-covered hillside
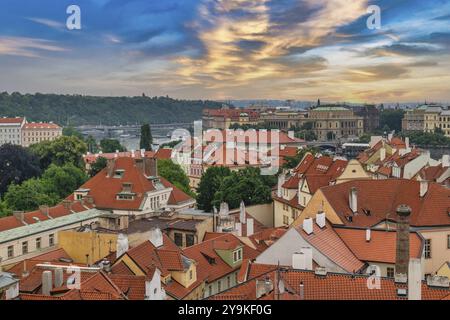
[78,109]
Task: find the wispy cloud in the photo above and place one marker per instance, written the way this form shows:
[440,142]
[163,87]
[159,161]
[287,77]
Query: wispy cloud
[49,23]
[26,47]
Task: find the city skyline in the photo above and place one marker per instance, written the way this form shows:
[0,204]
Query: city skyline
[230,49]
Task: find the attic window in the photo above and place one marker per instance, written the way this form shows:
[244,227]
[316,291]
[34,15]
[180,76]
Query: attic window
[366,212]
[122,196]
[237,255]
[118,174]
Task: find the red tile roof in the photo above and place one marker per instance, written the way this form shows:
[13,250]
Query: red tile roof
[132,286]
[380,248]
[382,197]
[163,153]
[106,198]
[11,120]
[35,125]
[91,158]
[328,242]
[333,286]
[210,266]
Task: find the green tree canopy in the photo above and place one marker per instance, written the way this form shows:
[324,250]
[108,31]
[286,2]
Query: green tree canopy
[28,196]
[111,145]
[17,164]
[62,181]
[292,162]
[60,151]
[146,138]
[210,183]
[221,184]
[174,174]
[391,119]
[98,166]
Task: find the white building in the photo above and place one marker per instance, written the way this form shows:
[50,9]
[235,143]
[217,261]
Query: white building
[11,130]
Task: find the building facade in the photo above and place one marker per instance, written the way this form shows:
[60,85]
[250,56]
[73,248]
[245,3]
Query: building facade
[37,132]
[11,130]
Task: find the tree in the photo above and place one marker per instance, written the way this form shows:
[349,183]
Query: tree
[59,182]
[243,185]
[17,164]
[72,132]
[60,151]
[391,119]
[146,138]
[174,174]
[98,166]
[91,144]
[4,210]
[111,145]
[209,184]
[28,196]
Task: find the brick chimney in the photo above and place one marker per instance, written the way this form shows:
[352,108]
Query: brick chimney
[402,248]
[151,167]
[110,167]
[353,200]
[45,210]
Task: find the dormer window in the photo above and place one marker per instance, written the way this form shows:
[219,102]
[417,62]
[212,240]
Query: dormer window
[237,255]
[81,193]
[118,174]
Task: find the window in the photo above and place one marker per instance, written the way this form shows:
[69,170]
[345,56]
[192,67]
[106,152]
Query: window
[178,239]
[25,247]
[189,240]
[448,241]
[51,240]
[390,272]
[190,274]
[229,281]
[427,248]
[219,286]
[210,290]
[11,252]
[286,220]
[237,255]
[38,243]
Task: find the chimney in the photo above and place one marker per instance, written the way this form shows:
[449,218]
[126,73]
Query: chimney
[250,227]
[224,209]
[415,280]
[390,136]
[382,154]
[446,161]
[308,254]
[59,279]
[298,261]
[281,179]
[242,214]
[353,200]
[263,287]
[106,265]
[133,154]
[19,215]
[45,210]
[156,237]
[291,134]
[47,282]
[139,163]
[402,247]
[368,235]
[407,142]
[67,204]
[301,293]
[321,219]
[238,228]
[110,167]
[142,153]
[121,245]
[308,225]
[423,188]
[151,167]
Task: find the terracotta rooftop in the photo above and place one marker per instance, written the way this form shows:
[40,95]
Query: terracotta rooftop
[327,241]
[333,286]
[41,125]
[380,248]
[378,200]
[11,120]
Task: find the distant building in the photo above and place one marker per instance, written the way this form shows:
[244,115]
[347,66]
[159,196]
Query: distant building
[37,132]
[336,122]
[11,130]
[427,118]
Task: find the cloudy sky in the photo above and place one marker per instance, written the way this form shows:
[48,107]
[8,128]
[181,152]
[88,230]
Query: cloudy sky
[223,49]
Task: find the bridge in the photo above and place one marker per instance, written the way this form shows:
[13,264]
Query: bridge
[131,129]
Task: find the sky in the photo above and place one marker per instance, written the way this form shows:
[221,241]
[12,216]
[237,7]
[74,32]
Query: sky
[229,49]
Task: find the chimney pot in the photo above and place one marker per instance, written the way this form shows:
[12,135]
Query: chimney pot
[47,285]
[368,235]
[308,225]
